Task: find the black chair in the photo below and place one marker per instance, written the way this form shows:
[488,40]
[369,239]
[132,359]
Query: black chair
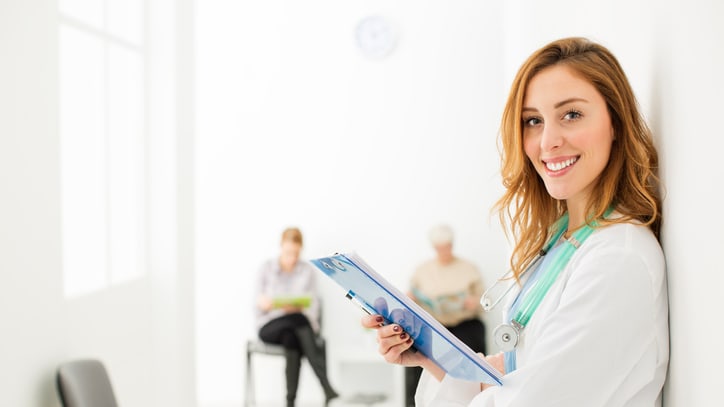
[84,383]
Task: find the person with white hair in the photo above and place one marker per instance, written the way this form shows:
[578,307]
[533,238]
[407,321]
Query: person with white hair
[449,288]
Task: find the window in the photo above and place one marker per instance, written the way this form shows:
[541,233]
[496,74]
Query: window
[102,142]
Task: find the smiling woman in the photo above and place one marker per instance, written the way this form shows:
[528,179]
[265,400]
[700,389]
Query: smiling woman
[582,192]
[565,125]
[632,161]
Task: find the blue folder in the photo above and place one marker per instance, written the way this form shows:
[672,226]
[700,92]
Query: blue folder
[377,296]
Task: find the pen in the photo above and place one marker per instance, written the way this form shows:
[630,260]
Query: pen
[366,308]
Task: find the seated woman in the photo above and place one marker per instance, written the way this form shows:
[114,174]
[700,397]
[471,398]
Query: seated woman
[449,288]
[287,312]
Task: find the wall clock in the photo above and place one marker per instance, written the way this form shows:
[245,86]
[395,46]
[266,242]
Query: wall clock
[375,37]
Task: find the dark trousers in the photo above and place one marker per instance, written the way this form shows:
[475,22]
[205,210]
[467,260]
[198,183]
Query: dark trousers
[280,331]
[471,332]
[295,334]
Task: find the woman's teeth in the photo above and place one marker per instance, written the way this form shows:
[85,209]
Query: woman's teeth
[561,164]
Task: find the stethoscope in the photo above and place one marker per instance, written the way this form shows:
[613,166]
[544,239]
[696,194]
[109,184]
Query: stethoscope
[487,303]
[507,335]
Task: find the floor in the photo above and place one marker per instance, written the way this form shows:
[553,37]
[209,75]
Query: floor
[351,401]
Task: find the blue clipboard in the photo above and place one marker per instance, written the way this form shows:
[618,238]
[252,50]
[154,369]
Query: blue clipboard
[377,296]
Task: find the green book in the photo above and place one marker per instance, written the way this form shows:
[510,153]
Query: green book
[302,301]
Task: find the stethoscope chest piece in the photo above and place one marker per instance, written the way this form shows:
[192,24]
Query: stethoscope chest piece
[506,337]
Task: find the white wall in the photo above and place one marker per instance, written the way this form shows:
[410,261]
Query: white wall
[29,226]
[688,103]
[295,127]
[140,328]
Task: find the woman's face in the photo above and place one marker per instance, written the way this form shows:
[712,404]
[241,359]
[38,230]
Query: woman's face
[567,133]
[289,254]
[444,252]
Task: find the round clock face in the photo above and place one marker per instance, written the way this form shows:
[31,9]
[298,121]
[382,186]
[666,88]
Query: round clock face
[375,37]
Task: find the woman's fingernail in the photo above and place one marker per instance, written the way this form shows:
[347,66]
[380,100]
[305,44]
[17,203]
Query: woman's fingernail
[396,328]
[403,335]
[379,319]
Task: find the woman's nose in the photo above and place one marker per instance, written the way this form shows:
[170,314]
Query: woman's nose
[551,138]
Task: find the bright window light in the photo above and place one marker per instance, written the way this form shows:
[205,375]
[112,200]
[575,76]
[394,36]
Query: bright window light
[102,137]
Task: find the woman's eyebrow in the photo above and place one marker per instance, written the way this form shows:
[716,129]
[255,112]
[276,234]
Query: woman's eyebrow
[569,100]
[557,105]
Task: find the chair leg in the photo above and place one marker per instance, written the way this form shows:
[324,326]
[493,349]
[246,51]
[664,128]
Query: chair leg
[249,396]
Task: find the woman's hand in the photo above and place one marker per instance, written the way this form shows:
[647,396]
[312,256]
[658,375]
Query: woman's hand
[498,362]
[264,303]
[471,303]
[395,343]
[291,309]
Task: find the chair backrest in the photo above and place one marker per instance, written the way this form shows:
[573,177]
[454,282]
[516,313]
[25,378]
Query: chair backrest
[85,383]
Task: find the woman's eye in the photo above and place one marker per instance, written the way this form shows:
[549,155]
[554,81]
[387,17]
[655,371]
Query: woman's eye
[531,121]
[572,115]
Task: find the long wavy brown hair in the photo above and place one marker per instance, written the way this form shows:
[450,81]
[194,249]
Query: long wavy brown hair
[629,182]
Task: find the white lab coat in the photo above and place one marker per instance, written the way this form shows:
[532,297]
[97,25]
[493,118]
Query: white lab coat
[599,338]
